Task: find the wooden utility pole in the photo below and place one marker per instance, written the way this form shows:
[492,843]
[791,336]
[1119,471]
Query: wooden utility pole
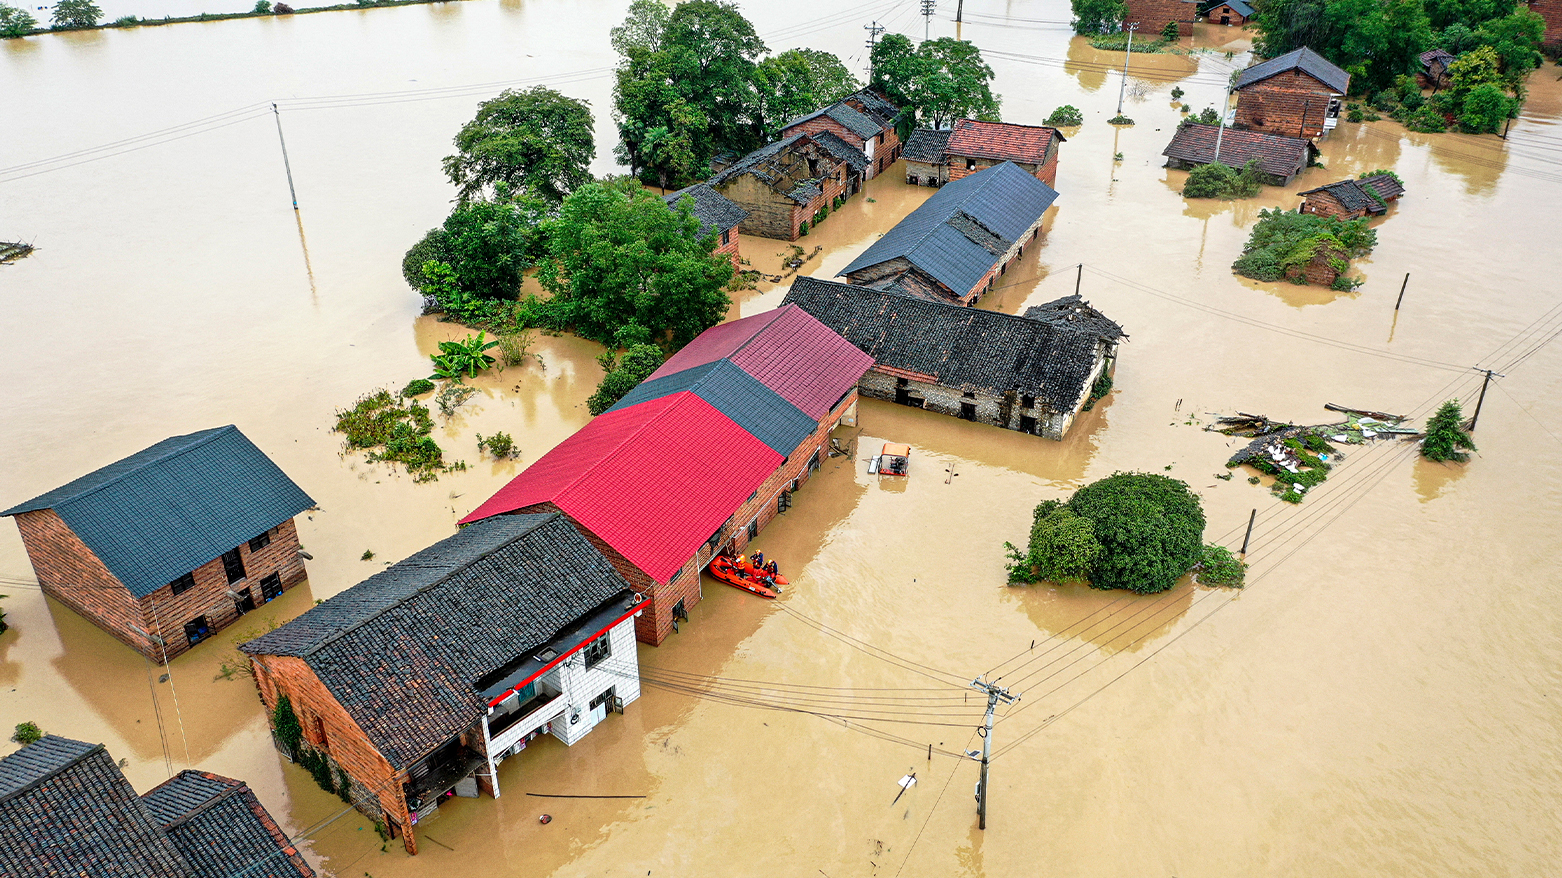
[959,17]
[1079,276]
[1402,286]
[994,695]
[286,166]
[1482,398]
[1249,535]
[1124,89]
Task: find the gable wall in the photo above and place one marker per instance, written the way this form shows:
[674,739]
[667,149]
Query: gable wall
[1292,104]
[72,574]
[1153,16]
[1324,204]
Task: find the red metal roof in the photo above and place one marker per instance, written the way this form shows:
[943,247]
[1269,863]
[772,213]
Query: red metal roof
[1001,140]
[805,362]
[653,481]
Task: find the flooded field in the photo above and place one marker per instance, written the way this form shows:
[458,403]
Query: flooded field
[1381,701]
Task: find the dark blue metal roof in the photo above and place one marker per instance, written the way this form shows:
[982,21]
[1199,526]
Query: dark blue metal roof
[740,396]
[938,239]
[166,510]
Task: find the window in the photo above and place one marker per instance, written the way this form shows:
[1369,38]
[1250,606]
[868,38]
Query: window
[726,237]
[183,583]
[753,529]
[1028,401]
[270,588]
[197,630]
[1027,424]
[604,698]
[260,542]
[597,650]
[913,179]
[233,565]
[676,573]
[968,411]
[969,394]
[970,164]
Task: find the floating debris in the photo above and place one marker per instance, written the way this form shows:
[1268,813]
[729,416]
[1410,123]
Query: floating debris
[1299,458]
[10,251]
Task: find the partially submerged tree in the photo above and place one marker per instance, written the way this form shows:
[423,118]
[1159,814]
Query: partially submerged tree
[487,244]
[16,22]
[941,80]
[1098,16]
[536,141]
[1216,180]
[1446,439]
[622,373]
[69,14]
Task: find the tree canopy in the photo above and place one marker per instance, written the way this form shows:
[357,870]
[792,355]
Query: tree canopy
[616,255]
[940,81]
[1098,16]
[1446,439]
[76,13]
[536,141]
[15,21]
[486,246]
[797,82]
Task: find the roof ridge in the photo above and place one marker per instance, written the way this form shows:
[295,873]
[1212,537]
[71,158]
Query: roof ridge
[68,764]
[229,791]
[115,479]
[774,313]
[961,308]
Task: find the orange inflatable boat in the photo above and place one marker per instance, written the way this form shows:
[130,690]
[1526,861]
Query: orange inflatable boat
[739,573]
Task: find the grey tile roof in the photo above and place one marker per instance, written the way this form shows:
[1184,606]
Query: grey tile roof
[1386,186]
[756,163]
[222,829]
[402,650]
[927,145]
[843,151]
[1303,59]
[1350,195]
[166,510]
[1074,312]
[66,809]
[716,212]
[738,395]
[962,348]
[1003,200]
[1245,10]
[849,117]
[876,105]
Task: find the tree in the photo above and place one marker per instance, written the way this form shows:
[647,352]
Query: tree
[1516,39]
[1373,40]
[797,82]
[642,28]
[535,141]
[76,13]
[940,81]
[488,244]
[1098,16]
[618,256]
[1150,527]
[1446,439]
[1063,547]
[624,373]
[1485,109]
[16,22]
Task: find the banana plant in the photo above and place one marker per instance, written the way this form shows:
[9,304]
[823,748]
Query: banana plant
[459,360]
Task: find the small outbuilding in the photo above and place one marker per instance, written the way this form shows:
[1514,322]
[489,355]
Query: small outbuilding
[1297,94]
[1280,159]
[927,158]
[718,216]
[170,545]
[1434,69]
[783,185]
[1353,199]
[1230,12]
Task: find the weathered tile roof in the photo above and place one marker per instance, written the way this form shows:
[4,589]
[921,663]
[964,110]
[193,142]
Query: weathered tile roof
[1357,194]
[962,348]
[736,394]
[716,212]
[1073,312]
[166,510]
[1303,59]
[66,809]
[927,146]
[222,829]
[1277,155]
[1386,186]
[1003,141]
[786,350]
[1238,5]
[402,650]
[849,117]
[1431,55]
[760,164]
[843,151]
[1003,201]
[876,105]
[653,481]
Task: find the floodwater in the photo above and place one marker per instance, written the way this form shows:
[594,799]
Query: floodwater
[1381,700]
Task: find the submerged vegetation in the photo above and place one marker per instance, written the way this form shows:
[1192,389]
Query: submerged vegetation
[27,733]
[396,431]
[1283,244]
[1066,116]
[1446,438]
[1216,180]
[1217,566]
[624,373]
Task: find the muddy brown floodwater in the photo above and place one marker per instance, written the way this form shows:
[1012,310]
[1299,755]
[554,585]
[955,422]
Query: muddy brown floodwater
[1381,700]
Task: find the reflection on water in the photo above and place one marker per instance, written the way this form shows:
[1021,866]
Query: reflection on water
[1072,614]
[1433,479]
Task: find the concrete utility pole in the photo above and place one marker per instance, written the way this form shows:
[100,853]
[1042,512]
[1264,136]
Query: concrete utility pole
[994,695]
[959,18]
[1224,104]
[1124,89]
[928,8]
[873,30]
[285,165]
[1477,416]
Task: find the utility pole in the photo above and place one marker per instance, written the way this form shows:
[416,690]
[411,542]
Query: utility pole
[959,18]
[1124,89]
[1079,275]
[994,695]
[928,8]
[1477,416]
[1402,286]
[873,30]
[285,165]
[1225,103]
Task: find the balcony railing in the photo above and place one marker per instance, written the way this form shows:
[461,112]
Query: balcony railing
[534,714]
[446,768]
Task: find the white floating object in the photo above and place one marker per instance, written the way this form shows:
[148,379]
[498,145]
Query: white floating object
[907,782]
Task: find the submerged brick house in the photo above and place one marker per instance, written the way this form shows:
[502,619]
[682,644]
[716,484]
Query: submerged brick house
[1434,69]
[927,157]
[1551,11]
[783,185]
[956,244]
[972,145]
[66,809]
[1230,12]
[1353,199]
[166,547]
[864,121]
[1297,94]
[1152,16]
[420,680]
[1030,373]
[699,457]
[718,216]
[1280,159]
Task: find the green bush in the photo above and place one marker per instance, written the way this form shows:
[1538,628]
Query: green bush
[27,733]
[1100,389]
[16,22]
[417,387]
[73,14]
[262,7]
[1354,114]
[1426,120]
[1283,242]
[624,374]
[500,445]
[1216,180]
[1119,119]
[380,421]
[1177,92]
[1485,109]
[289,732]
[1150,527]
[1446,439]
[1170,33]
[1217,566]
[1066,116]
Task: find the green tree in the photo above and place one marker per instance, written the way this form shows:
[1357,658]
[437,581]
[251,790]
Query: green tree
[76,13]
[1098,16]
[1063,547]
[618,256]
[16,22]
[1150,527]
[27,733]
[535,141]
[1485,109]
[940,81]
[1516,39]
[642,29]
[488,244]
[1171,32]
[797,82]
[624,373]
[1373,40]
[1446,438]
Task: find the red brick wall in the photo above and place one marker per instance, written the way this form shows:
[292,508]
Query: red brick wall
[1324,204]
[343,740]
[1551,11]
[1046,172]
[731,247]
[1291,103]
[821,124]
[70,573]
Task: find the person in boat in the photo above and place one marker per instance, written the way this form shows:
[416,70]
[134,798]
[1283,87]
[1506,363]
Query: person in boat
[759,560]
[773,569]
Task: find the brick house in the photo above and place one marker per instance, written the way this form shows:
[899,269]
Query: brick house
[717,215]
[1030,373]
[927,158]
[168,546]
[864,120]
[1280,158]
[66,809]
[1231,12]
[700,457]
[1353,199]
[1434,69]
[1551,11]
[1297,94]
[783,185]
[957,243]
[420,680]
[1152,16]
[975,145]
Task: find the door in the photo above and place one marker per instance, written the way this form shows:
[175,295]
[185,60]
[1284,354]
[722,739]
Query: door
[270,588]
[1225,19]
[968,411]
[245,602]
[600,704]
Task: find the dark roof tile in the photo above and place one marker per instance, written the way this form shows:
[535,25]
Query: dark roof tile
[222,829]
[1002,141]
[1277,155]
[843,151]
[716,212]
[927,146]
[738,395]
[1303,59]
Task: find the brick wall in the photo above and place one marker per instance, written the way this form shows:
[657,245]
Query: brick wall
[730,248]
[1153,15]
[1291,103]
[1551,11]
[377,790]
[773,214]
[1230,16]
[1324,204]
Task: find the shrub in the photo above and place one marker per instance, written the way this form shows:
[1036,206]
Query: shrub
[1206,116]
[1177,92]
[1354,114]
[1385,100]
[1381,172]
[262,7]
[500,445]
[513,346]
[282,9]
[1100,389]
[1446,438]
[27,733]
[289,731]
[1426,120]
[452,397]
[1119,119]
[1485,108]
[623,375]
[16,22]
[380,421]
[1066,116]
[1282,243]
[126,21]
[1217,566]
[1150,528]
[1063,547]
[417,387]
[1216,180]
[1170,33]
